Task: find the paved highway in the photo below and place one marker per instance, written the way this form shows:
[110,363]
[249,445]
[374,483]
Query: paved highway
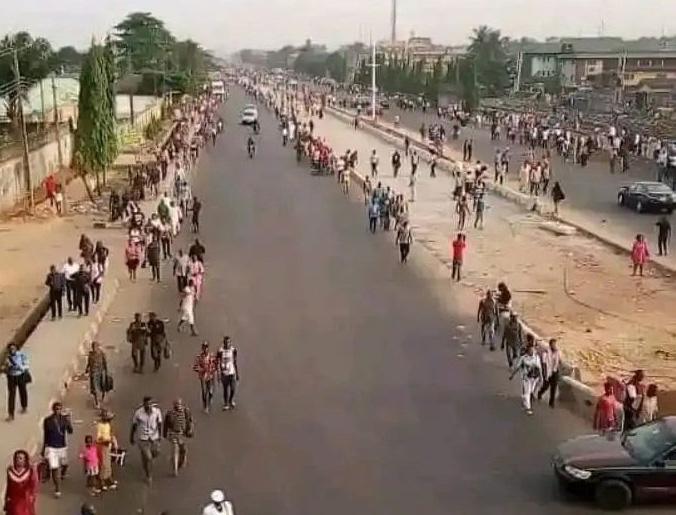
[359,392]
[591,192]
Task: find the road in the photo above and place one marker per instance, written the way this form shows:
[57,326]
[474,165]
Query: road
[359,394]
[591,192]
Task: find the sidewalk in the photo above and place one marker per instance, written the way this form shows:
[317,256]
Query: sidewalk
[56,349]
[572,288]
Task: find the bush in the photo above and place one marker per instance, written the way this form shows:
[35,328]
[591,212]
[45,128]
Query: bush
[153,129]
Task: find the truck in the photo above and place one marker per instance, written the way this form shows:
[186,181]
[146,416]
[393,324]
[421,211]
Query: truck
[218,89]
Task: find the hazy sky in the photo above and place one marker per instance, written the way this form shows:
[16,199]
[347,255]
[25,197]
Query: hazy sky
[228,25]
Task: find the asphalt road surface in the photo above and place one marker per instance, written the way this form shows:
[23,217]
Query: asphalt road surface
[361,392]
[592,191]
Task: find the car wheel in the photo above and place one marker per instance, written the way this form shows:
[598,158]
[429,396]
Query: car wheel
[613,494]
[620,199]
[639,206]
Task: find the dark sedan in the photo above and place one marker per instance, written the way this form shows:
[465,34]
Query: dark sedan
[647,196]
[619,469]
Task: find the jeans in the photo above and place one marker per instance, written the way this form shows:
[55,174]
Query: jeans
[155,269]
[82,301]
[138,356]
[373,224]
[457,267]
[404,249]
[552,385]
[229,388]
[70,294]
[56,303]
[96,292]
[14,383]
[166,247]
[488,332]
[662,245]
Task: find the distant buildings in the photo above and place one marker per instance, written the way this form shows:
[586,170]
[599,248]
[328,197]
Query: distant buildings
[419,50]
[646,66]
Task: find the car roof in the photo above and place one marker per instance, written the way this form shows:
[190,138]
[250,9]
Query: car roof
[649,183]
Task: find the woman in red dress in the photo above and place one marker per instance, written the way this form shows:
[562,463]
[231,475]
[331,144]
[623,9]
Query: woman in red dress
[21,485]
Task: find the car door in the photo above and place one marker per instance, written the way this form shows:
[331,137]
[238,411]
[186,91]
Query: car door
[630,195]
[659,481]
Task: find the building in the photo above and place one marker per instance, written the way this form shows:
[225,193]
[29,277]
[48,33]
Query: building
[419,50]
[602,63]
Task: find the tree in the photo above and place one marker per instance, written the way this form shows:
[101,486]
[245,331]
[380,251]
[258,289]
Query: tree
[336,65]
[68,58]
[36,60]
[93,149]
[144,42]
[487,51]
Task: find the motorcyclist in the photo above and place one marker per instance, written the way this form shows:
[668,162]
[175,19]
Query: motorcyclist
[218,505]
[251,146]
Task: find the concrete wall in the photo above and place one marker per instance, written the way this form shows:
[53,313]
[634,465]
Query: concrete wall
[43,161]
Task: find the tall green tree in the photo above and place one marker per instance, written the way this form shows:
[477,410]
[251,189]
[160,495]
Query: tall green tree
[93,149]
[488,52]
[144,43]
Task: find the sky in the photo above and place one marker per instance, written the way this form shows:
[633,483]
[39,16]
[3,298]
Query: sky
[229,25]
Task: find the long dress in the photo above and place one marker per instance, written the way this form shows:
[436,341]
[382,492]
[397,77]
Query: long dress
[20,493]
[197,276]
[188,306]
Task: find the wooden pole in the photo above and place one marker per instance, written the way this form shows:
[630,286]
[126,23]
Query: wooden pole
[24,136]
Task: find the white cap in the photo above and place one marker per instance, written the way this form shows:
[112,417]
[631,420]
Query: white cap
[217,496]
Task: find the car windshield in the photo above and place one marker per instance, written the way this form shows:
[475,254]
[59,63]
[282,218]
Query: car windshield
[647,442]
[658,188]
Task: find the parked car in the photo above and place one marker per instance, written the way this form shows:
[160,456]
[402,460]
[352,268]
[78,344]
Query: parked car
[619,469]
[647,196]
[385,103]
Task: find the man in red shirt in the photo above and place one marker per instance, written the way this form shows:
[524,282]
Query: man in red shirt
[50,189]
[459,245]
[205,367]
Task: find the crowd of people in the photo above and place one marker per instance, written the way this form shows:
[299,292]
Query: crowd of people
[151,233]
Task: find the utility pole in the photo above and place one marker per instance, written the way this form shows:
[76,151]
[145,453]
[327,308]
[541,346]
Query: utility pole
[373,66]
[57,132]
[519,66]
[24,136]
[394,22]
[42,104]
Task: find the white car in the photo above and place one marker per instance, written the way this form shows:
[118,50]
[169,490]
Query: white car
[249,115]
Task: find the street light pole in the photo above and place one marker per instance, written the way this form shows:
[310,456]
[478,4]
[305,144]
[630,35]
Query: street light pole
[373,66]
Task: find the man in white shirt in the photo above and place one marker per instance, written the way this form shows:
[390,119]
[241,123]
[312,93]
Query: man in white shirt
[70,268]
[146,426]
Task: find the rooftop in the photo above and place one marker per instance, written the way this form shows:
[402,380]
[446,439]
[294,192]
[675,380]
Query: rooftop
[599,45]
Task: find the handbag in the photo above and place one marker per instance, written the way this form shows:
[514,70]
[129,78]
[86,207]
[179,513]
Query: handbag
[167,350]
[108,383]
[27,377]
[43,471]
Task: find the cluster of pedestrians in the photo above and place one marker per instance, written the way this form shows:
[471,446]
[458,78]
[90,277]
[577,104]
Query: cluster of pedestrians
[79,281]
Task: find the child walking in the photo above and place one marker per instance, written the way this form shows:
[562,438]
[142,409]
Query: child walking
[90,460]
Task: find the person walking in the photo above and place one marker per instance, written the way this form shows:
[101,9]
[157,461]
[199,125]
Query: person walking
[415,160]
[373,214]
[55,427]
[648,409]
[97,370]
[551,364]
[557,196]
[56,282]
[663,236]
[462,209]
[479,209]
[530,368]
[82,289]
[180,270]
[137,335]
[404,239]
[91,462]
[18,378]
[639,254]
[21,486]
[396,163]
[413,179]
[98,270]
[512,339]
[196,210]
[218,505]
[70,268]
[178,426]
[374,163]
[196,273]
[187,308]
[105,443]
[433,165]
[159,345]
[153,253]
[487,316]
[226,363]
[205,368]
[146,428]
[634,394]
[458,251]
[132,255]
